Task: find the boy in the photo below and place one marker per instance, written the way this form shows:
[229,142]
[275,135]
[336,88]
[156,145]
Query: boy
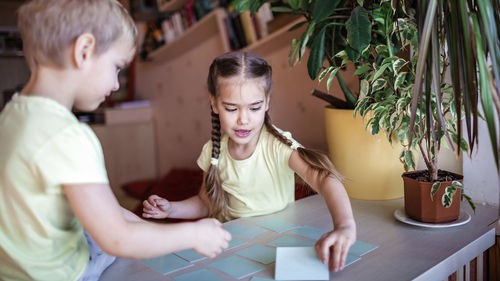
[53,182]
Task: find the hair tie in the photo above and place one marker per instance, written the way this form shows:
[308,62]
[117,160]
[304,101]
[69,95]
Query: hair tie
[295,145]
[214,161]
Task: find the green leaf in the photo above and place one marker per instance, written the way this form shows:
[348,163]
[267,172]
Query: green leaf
[317,55]
[469,200]
[243,5]
[400,79]
[359,29]
[398,64]
[330,79]
[283,9]
[434,189]
[324,8]
[447,198]
[341,54]
[378,85]
[294,51]
[457,184]
[294,4]
[409,159]
[362,69]
[325,72]
[352,54]
[364,88]
[380,71]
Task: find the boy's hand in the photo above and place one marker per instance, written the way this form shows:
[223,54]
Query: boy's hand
[333,246]
[211,237]
[156,207]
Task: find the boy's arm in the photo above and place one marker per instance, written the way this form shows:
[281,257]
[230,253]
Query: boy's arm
[97,209]
[338,203]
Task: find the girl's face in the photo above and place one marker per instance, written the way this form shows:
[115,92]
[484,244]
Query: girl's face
[241,106]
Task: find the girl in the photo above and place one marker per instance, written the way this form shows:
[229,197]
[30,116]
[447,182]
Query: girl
[249,168]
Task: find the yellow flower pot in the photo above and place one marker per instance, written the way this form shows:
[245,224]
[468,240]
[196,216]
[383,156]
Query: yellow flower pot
[370,163]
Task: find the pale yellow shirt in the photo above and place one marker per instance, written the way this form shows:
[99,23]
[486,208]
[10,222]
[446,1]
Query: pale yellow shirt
[260,184]
[42,146]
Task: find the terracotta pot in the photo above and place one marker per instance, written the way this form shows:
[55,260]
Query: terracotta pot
[419,205]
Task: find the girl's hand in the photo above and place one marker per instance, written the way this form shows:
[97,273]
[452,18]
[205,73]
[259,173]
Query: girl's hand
[211,237]
[333,246]
[156,207]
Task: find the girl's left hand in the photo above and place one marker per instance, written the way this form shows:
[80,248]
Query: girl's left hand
[333,246]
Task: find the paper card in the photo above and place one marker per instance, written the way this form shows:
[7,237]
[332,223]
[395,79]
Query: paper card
[198,275]
[236,266]
[299,263]
[190,255]
[260,279]
[350,259]
[235,242]
[244,231]
[276,224]
[166,264]
[287,241]
[259,253]
[360,248]
[309,232]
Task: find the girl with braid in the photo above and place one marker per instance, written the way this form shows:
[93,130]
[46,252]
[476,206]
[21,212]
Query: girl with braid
[249,163]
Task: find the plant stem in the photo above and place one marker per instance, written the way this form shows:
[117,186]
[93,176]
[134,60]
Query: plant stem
[350,98]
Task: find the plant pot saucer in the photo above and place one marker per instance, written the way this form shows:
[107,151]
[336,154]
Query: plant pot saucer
[401,216]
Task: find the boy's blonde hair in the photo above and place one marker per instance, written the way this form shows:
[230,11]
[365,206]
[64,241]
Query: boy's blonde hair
[49,27]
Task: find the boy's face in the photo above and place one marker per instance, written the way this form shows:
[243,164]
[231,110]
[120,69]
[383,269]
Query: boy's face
[241,108]
[101,77]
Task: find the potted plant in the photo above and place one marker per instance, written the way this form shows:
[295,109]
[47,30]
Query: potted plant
[341,34]
[447,28]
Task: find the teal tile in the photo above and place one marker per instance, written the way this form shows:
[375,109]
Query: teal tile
[236,266]
[166,264]
[244,231]
[276,224]
[190,255]
[235,242]
[309,232]
[198,275]
[259,253]
[360,248]
[287,241]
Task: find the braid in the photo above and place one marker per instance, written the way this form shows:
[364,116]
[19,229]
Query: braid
[217,199]
[317,160]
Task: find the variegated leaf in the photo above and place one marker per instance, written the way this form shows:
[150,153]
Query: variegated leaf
[378,84]
[434,189]
[447,198]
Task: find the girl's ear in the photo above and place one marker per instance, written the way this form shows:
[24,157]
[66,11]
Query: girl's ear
[213,104]
[268,99]
[83,49]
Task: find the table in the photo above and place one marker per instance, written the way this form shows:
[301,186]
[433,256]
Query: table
[405,252]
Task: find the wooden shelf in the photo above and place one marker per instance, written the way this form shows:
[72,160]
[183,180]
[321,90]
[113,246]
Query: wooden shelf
[170,6]
[278,38]
[210,25]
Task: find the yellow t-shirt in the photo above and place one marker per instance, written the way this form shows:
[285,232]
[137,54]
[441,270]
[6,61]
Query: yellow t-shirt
[259,185]
[42,146]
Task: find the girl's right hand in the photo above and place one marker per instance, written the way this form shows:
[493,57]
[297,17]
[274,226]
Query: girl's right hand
[212,239]
[156,207]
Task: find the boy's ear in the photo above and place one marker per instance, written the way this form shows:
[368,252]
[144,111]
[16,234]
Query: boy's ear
[213,104]
[83,49]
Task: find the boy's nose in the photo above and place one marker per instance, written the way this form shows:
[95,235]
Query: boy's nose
[116,86]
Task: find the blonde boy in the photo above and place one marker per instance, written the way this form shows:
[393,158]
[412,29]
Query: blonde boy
[53,183]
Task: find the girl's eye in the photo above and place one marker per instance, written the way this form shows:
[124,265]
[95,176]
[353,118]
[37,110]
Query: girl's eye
[255,108]
[230,109]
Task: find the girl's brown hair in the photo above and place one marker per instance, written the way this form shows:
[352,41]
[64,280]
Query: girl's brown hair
[247,65]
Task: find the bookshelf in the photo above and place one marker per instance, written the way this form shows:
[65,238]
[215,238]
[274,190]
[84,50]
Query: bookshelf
[170,5]
[209,26]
